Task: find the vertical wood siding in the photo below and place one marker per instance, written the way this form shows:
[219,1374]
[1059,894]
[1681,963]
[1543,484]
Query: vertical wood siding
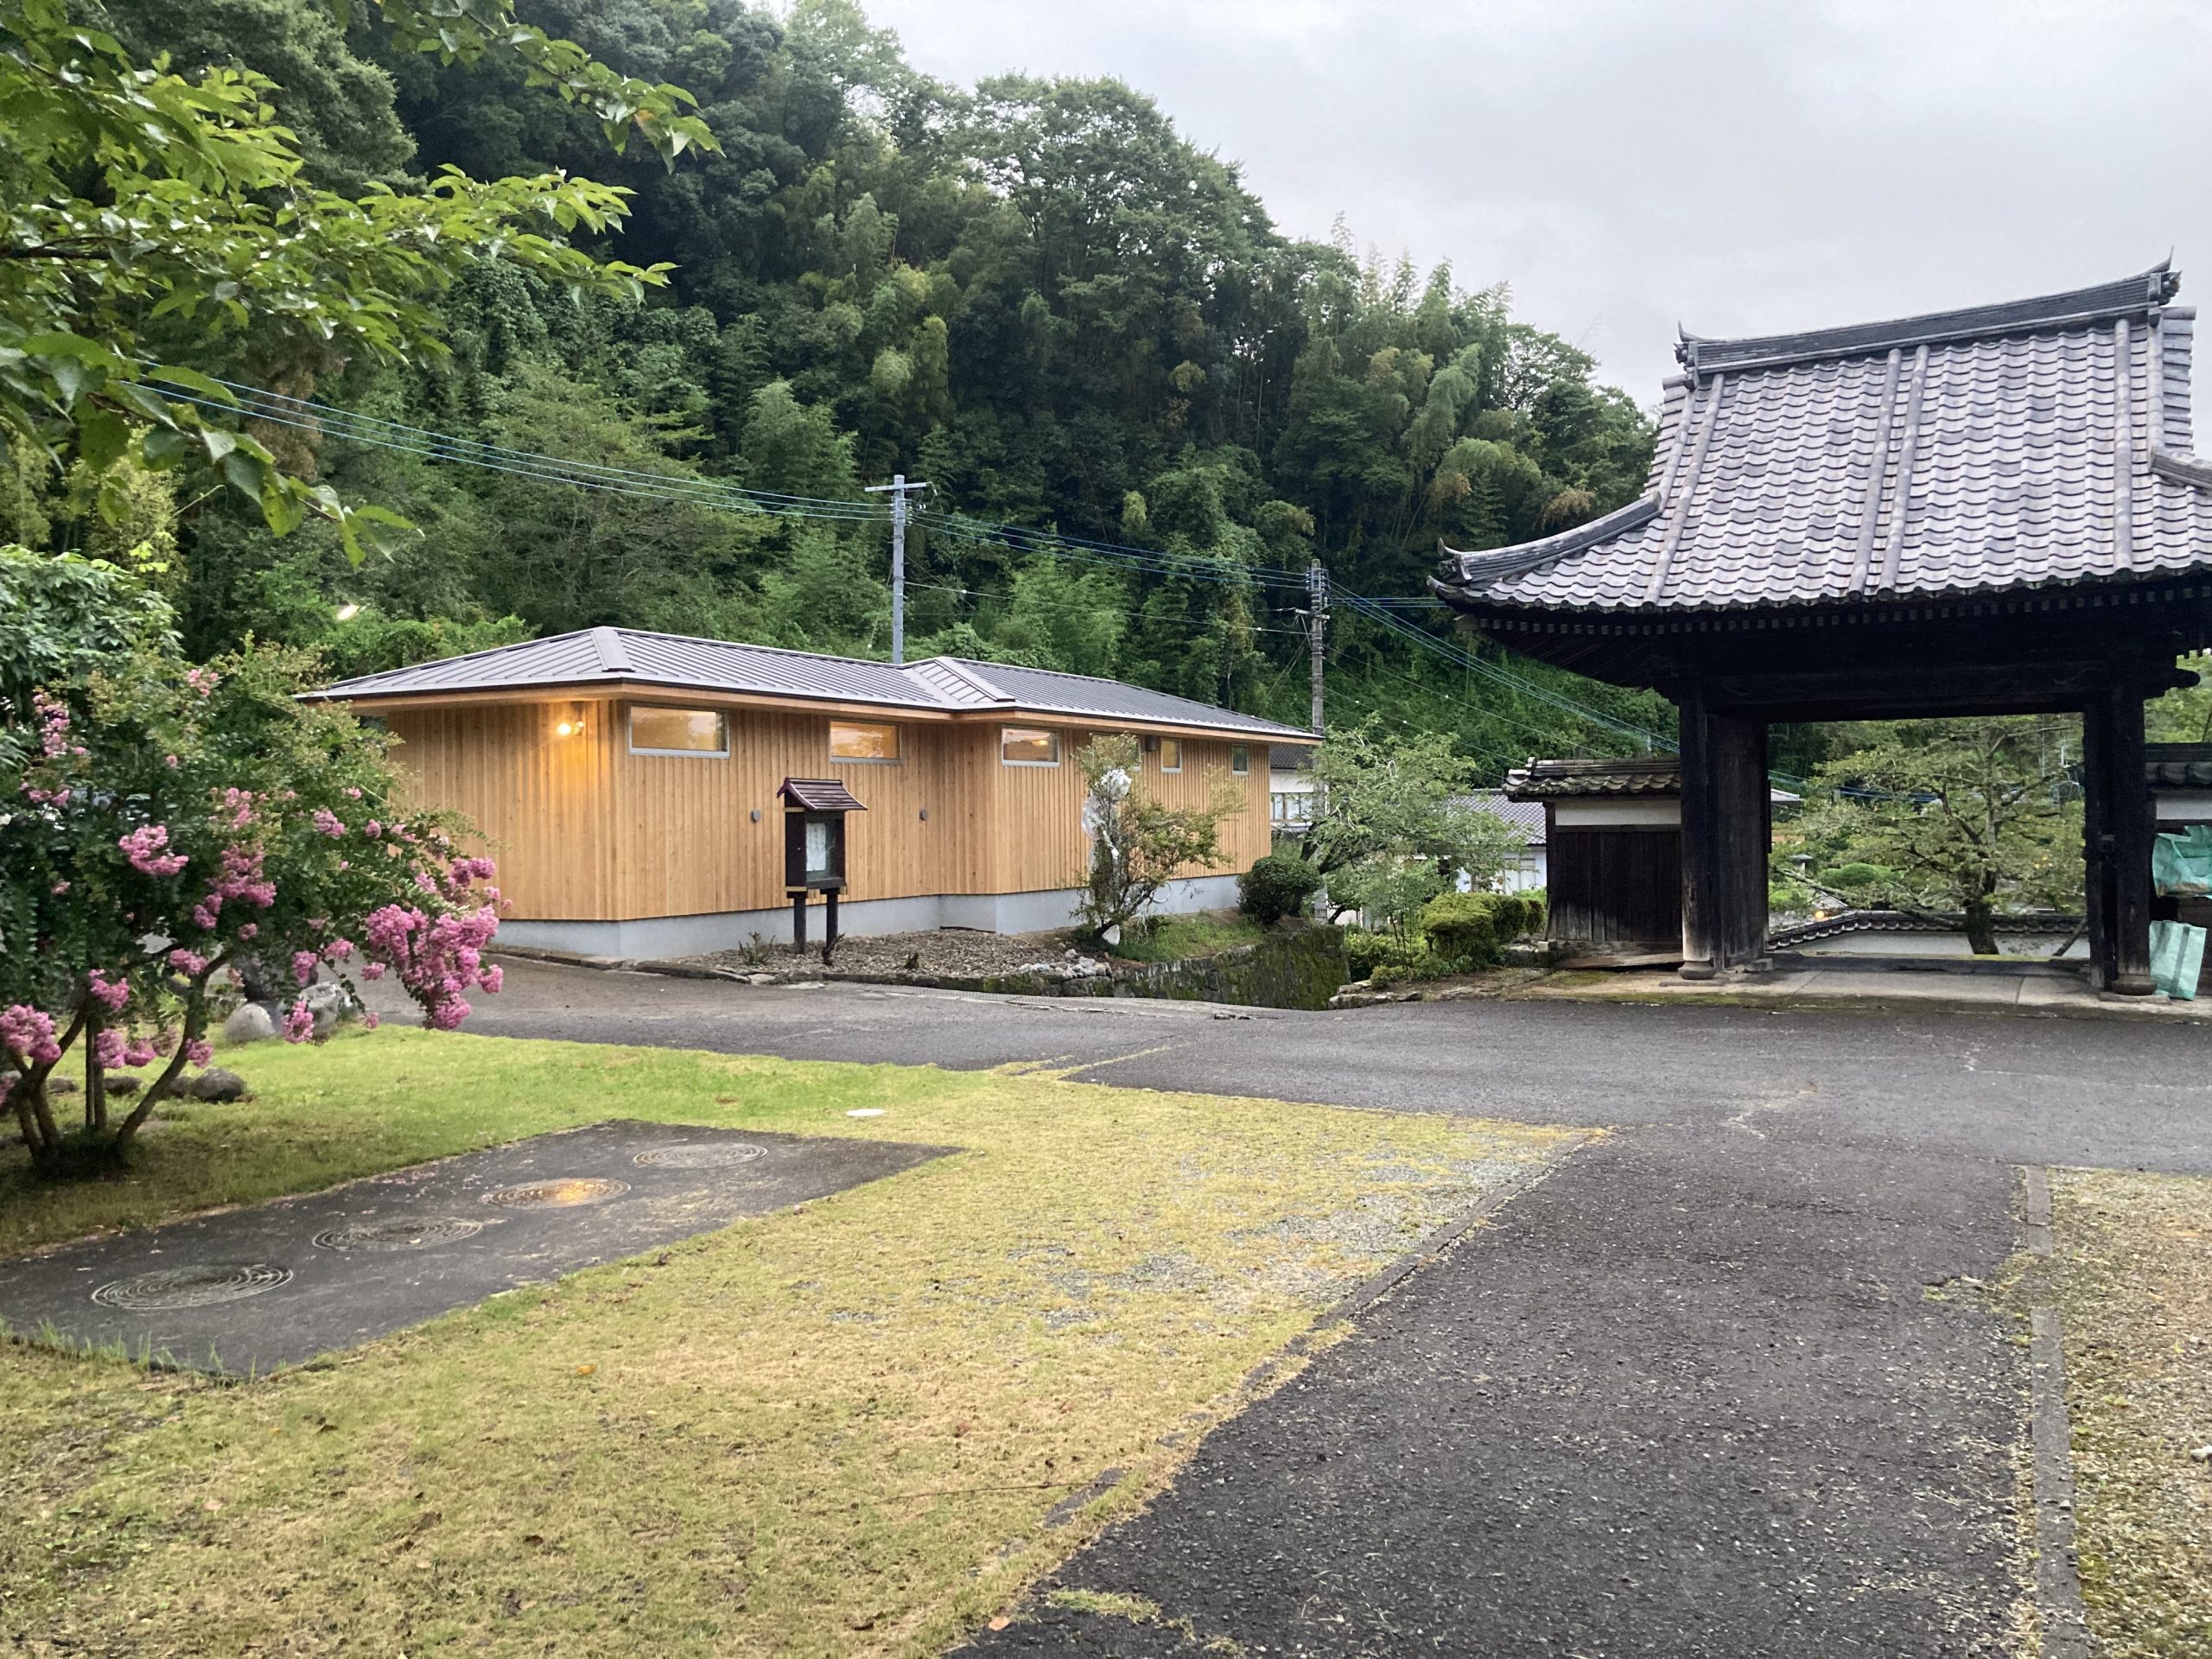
[585,830]
[544,803]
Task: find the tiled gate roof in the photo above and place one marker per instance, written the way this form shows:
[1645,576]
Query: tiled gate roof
[2005,447]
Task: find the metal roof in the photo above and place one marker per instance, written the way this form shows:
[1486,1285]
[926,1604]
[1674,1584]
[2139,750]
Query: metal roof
[1038,691]
[2005,446]
[1527,816]
[941,684]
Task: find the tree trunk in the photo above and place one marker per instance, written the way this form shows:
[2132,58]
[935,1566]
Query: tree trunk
[1982,928]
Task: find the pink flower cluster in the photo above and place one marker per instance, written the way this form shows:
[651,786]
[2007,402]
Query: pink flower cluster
[202,680]
[53,717]
[237,809]
[437,958]
[112,994]
[327,823]
[143,848]
[28,1035]
[114,1049]
[299,1023]
[190,963]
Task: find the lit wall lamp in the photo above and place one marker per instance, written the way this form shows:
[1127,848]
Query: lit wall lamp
[571,723]
[348,611]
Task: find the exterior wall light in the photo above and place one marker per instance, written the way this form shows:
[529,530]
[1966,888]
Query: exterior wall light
[348,611]
[571,723]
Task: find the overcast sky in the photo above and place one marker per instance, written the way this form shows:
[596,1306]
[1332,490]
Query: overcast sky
[1739,166]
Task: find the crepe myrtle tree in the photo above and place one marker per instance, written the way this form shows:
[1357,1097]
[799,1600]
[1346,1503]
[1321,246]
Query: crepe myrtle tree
[162,822]
[1137,843]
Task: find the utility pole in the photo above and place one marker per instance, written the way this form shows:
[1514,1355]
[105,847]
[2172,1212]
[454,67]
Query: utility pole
[1317,623]
[898,489]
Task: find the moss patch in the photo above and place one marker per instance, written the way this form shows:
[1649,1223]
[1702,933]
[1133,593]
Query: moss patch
[2132,1281]
[838,1430]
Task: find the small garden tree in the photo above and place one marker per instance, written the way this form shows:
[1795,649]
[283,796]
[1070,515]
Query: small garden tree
[1973,815]
[1137,843]
[1397,825]
[161,823]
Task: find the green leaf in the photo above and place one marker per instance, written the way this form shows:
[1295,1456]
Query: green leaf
[192,381]
[102,436]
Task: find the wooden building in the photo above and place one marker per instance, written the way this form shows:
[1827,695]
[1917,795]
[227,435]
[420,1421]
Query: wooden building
[628,783]
[1613,835]
[1971,512]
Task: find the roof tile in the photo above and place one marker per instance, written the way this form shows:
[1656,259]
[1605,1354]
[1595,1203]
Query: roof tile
[2005,447]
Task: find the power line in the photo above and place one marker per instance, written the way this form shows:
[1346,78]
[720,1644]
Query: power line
[372,431]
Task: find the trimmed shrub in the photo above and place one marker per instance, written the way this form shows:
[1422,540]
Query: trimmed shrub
[1476,927]
[1277,885]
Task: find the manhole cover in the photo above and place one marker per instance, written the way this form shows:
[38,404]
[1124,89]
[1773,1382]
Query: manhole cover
[555,1195]
[699,1154]
[200,1286]
[398,1233]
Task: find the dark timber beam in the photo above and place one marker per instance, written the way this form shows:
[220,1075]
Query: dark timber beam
[2117,834]
[1725,834]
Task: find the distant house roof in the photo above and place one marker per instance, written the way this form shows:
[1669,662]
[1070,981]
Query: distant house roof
[2005,446]
[632,657]
[1300,759]
[1528,817]
[1649,775]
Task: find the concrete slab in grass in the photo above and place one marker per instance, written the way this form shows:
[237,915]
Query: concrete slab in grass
[250,1290]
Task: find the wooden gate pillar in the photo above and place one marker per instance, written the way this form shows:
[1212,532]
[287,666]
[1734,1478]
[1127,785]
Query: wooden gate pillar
[2117,830]
[1726,834]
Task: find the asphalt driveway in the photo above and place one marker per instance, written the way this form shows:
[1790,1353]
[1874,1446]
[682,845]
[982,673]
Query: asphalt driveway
[1714,1387]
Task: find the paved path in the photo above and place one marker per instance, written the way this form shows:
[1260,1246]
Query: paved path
[1712,1389]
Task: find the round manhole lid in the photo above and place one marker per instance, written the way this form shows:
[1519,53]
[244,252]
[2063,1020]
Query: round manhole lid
[200,1285]
[398,1233]
[557,1195]
[699,1154]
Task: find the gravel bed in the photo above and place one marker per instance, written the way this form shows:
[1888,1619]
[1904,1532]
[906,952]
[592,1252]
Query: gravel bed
[948,952]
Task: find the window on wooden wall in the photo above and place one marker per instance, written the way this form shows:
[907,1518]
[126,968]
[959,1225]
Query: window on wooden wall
[1240,758]
[1171,754]
[1028,745]
[678,731]
[854,739]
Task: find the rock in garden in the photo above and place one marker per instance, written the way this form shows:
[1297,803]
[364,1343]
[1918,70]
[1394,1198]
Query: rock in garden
[332,1005]
[251,1023]
[122,1083]
[60,1085]
[215,1083]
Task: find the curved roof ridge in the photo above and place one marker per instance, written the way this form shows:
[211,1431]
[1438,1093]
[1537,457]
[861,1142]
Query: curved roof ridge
[1495,564]
[2128,296]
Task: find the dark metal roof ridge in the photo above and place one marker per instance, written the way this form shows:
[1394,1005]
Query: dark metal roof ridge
[2129,296]
[1495,564]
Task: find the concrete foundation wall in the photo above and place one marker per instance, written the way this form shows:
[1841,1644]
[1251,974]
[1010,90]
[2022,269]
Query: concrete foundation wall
[990,913]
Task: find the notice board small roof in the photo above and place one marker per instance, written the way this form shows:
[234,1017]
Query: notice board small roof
[819,795]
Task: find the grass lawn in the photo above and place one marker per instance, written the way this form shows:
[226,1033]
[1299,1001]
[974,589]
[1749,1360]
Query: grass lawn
[2133,1284]
[1208,933]
[839,1429]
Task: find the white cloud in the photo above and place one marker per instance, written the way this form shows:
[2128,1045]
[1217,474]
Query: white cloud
[1743,166]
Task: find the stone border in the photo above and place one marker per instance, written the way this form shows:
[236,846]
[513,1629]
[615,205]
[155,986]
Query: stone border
[2058,1580]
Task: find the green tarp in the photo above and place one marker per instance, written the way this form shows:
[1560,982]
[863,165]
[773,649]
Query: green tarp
[2177,955]
[2182,864]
